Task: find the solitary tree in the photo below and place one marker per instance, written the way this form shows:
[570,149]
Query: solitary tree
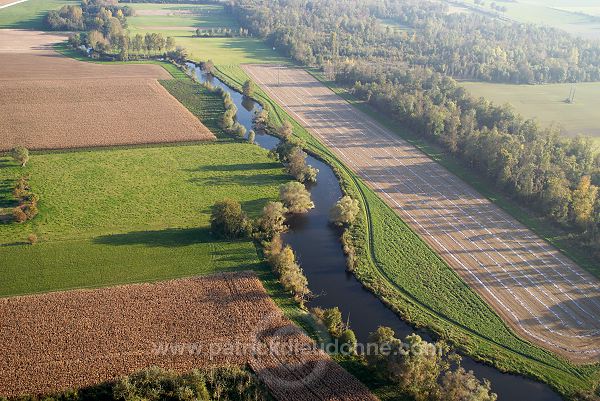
[344,211]
[348,341]
[228,220]
[170,43]
[20,154]
[298,168]
[272,220]
[249,88]
[208,67]
[295,197]
[459,385]
[286,130]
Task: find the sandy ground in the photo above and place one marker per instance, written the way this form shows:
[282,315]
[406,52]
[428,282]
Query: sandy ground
[540,293]
[52,342]
[49,101]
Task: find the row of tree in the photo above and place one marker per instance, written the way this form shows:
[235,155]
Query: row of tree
[465,45]
[221,33]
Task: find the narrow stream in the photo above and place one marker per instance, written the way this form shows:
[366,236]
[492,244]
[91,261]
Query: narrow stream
[319,250]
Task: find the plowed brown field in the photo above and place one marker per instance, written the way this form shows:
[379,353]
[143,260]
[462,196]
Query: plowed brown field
[49,101]
[540,293]
[56,341]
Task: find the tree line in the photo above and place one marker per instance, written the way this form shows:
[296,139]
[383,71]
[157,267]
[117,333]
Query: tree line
[557,177]
[463,45]
[103,23]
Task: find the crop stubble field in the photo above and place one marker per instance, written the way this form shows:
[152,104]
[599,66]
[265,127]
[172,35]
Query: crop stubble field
[52,102]
[539,292]
[56,341]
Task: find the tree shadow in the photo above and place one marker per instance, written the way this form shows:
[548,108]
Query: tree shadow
[237,167]
[168,238]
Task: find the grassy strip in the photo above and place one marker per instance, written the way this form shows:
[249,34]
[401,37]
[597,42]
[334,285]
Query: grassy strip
[568,244]
[406,278]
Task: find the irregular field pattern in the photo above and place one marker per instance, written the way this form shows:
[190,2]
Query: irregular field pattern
[539,292]
[49,101]
[53,342]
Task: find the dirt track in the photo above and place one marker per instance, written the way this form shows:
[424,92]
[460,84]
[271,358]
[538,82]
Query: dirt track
[539,292]
[49,101]
[53,342]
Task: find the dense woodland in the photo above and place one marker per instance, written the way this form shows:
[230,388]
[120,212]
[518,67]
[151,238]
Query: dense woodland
[463,45]
[407,76]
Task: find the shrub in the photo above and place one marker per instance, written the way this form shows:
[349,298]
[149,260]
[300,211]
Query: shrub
[228,220]
[348,342]
[249,88]
[344,212]
[332,319]
[251,136]
[30,209]
[32,239]
[297,167]
[239,130]
[20,154]
[262,118]
[285,130]
[18,215]
[295,197]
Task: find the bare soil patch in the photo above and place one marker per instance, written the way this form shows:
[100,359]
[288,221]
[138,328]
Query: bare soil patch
[53,342]
[49,101]
[54,114]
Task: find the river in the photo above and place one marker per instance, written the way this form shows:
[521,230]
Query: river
[319,251]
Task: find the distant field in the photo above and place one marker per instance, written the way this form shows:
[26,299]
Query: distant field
[181,20]
[578,17]
[546,103]
[30,14]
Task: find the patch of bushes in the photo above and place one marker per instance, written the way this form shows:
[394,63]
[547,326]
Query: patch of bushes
[155,384]
[425,371]
[283,263]
[332,320]
[27,201]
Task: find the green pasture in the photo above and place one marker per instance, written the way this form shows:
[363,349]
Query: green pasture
[175,18]
[30,14]
[546,103]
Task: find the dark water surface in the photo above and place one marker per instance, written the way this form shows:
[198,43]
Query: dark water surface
[319,250]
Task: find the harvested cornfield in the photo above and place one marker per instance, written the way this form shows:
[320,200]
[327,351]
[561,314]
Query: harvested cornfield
[53,342]
[53,102]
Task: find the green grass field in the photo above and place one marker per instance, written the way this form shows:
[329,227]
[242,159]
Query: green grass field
[180,22]
[419,286]
[124,215]
[546,103]
[30,14]
[574,16]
